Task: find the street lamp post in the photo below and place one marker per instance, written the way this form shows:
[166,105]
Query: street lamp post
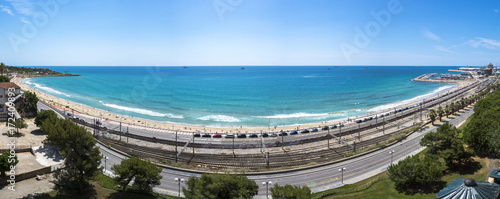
[175,146]
[391,152]
[105,158]
[328,138]
[342,174]
[383,125]
[267,188]
[179,183]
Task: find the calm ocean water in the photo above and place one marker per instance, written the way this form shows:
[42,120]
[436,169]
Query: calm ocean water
[230,96]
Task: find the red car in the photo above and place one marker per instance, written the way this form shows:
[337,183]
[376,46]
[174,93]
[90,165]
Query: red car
[217,136]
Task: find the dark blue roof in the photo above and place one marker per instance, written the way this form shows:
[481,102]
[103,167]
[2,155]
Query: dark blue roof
[475,189]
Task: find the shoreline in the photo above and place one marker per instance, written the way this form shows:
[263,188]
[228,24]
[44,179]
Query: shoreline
[142,122]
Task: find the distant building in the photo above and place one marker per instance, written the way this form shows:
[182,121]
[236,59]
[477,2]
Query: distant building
[4,98]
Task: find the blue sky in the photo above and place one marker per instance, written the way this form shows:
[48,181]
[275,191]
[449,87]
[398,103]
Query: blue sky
[249,32]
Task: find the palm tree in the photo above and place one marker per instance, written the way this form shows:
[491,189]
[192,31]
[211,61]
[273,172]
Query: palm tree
[452,107]
[2,68]
[432,115]
[440,113]
[447,110]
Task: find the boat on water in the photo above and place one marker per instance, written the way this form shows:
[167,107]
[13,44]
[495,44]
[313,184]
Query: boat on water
[242,68]
[365,66]
[417,66]
[185,67]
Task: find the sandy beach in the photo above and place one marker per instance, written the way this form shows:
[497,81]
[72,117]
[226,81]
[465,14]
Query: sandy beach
[105,116]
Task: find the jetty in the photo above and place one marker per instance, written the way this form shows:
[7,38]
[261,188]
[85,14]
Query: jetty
[444,79]
[424,77]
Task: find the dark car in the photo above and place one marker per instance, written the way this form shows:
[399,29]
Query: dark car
[242,135]
[273,135]
[359,121]
[305,131]
[206,135]
[314,130]
[196,135]
[253,136]
[325,128]
[264,135]
[333,126]
[283,134]
[229,136]
[98,122]
[294,133]
[217,136]
[341,125]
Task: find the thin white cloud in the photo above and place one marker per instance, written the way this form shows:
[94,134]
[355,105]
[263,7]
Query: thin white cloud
[24,20]
[482,42]
[428,34]
[6,9]
[495,10]
[24,7]
[440,48]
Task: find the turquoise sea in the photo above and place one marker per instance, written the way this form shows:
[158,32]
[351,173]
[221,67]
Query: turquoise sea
[232,96]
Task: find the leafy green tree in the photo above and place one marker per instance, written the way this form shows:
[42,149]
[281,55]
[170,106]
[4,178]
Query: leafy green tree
[4,78]
[6,161]
[440,112]
[432,115]
[146,174]
[482,131]
[290,192]
[76,144]
[414,174]
[19,124]
[28,103]
[214,186]
[43,115]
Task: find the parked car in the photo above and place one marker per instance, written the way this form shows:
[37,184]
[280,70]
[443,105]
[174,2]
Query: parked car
[294,133]
[253,136]
[242,135]
[305,131]
[273,135]
[264,135]
[341,125]
[206,135]
[359,121]
[98,122]
[314,130]
[283,134]
[325,128]
[333,126]
[197,135]
[217,136]
[229,136]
